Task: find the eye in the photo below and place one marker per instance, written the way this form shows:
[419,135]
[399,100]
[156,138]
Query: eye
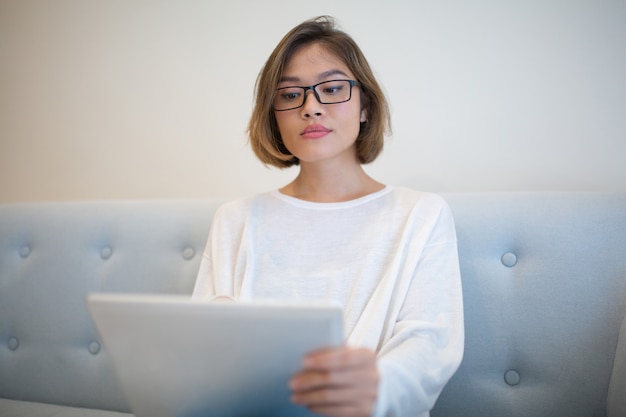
[332,89]
[289,94]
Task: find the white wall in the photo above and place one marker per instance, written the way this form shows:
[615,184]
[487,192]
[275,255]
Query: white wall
[150,98]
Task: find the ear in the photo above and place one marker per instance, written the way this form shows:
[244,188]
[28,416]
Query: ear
[363,116]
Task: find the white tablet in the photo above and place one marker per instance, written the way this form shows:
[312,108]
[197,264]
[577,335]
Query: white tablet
[177,357]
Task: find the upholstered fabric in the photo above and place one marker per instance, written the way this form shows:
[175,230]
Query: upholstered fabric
[544,279]
[13,408]
[617,389]
[52,255]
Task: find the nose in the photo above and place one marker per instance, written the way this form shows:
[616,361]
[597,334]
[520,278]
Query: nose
[311,106]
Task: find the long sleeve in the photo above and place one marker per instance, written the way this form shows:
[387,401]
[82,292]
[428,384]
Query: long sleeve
[389,259]
[426,347]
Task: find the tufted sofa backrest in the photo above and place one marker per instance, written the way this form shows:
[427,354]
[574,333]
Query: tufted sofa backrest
[544,278]
[52,255]
[544,281]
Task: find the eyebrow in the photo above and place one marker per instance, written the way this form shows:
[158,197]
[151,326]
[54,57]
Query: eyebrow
[325,74]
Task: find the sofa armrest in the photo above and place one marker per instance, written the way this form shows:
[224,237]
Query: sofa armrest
[13,408]
[616,401]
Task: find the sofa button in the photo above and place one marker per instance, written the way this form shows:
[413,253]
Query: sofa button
[512,377]
[106,252]
[189,253]
[509,259]
[13,343]
[25,251]
[94,348]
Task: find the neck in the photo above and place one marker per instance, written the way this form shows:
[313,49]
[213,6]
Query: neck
[327,185]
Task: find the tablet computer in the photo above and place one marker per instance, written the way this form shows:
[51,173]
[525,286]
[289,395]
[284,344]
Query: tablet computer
[178,357]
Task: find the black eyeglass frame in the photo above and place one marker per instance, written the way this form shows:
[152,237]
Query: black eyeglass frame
[352,83]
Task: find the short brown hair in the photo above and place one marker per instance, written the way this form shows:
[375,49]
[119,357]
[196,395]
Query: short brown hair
[265,137]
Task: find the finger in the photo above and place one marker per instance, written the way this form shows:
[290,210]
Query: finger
[310,380]
[344,410]
[339,358]
[337,401]
[333,396]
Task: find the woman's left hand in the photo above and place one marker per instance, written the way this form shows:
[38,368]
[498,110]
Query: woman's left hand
[338,382]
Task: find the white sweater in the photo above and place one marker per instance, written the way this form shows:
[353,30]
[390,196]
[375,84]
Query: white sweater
[389,258]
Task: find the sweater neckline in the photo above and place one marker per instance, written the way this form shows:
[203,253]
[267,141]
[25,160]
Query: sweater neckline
[335,205]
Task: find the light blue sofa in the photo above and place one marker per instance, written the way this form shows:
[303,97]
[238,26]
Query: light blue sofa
[544,278]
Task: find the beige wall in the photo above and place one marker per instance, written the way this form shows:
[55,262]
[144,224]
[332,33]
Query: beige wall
[150,99]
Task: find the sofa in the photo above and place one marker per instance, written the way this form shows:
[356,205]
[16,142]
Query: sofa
[544,279]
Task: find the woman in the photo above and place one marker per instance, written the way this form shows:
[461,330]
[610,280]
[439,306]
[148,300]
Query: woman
[386,254]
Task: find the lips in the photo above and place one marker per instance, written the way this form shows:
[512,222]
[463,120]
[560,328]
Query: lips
[315,132]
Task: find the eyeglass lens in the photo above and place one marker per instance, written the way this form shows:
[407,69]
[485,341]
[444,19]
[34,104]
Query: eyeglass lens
[327,92]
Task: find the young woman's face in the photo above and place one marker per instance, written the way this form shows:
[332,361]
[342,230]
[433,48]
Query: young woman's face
[319,132]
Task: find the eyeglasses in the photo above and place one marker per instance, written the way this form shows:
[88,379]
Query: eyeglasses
[327,92]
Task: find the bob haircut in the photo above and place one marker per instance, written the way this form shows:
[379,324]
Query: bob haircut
[265,137]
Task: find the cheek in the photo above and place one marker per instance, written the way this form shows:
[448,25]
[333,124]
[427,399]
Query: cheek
[288,129]
[348,111]
[352,118]
[282,121]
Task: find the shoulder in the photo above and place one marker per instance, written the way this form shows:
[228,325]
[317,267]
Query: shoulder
[426,210]
[241,208]
[421,200]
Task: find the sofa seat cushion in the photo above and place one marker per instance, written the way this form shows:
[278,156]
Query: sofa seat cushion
[13,408]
